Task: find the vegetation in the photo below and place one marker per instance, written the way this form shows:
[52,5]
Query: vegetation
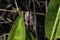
[19,31]
[52,19]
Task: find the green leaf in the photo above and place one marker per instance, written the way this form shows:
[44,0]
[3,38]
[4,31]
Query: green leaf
[29,36]
[51,18]
[18,31]
[58,26]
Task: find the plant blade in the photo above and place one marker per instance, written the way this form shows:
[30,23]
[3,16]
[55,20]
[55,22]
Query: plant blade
[29,36]
[58,26]
[18,31]
[51,18]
